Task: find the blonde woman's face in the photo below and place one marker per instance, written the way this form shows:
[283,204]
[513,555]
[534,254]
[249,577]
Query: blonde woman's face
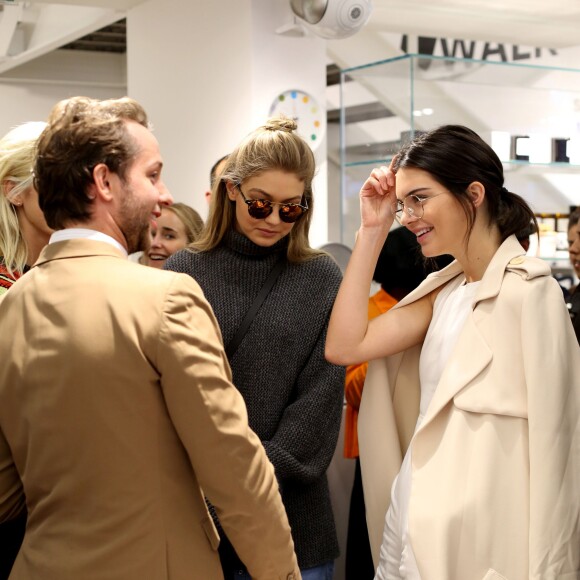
[275,186]
[167,237]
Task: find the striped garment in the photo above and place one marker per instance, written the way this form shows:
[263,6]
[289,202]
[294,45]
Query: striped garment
[6,279]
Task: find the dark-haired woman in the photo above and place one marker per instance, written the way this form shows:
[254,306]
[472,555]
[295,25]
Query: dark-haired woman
[259,218]
[471,411]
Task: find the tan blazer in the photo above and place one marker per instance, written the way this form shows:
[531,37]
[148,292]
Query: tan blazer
[496,461]
[116,410]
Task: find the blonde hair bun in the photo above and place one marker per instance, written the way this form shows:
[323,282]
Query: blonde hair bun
[281,123]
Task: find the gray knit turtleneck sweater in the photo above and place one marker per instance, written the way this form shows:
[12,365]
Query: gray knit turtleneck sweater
[294,397]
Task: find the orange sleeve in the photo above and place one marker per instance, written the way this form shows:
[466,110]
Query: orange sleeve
[355,379]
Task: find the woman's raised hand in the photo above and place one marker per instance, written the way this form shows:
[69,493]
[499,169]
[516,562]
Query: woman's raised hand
[377,198]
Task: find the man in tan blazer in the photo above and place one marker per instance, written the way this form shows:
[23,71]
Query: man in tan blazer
[116,402]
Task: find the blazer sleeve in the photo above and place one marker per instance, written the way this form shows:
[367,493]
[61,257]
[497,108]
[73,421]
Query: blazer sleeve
[552,369]
[11,492]
[210,418]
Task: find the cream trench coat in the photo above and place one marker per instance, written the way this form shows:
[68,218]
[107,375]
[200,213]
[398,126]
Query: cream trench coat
[496,462]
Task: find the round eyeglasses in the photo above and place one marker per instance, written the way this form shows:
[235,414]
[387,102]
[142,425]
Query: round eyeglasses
[412,205]
[261,208]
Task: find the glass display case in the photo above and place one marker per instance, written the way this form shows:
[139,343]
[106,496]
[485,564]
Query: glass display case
[529,114]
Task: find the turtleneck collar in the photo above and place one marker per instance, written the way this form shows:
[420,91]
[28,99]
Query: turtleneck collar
[243,245]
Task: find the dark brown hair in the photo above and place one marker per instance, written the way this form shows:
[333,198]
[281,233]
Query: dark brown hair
[82,133]
[456,156]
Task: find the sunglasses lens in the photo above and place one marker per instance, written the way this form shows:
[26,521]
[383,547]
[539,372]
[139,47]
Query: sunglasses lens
[259,209]
[290,213]
[262,208]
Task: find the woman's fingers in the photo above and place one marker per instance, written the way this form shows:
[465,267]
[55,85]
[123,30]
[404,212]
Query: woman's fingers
[371,187]
[379,182]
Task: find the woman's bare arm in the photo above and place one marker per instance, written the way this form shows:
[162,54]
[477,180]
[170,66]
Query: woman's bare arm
[351,338]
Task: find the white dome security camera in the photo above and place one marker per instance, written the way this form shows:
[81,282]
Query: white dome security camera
[333,19]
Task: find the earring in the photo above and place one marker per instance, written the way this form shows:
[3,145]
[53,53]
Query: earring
[16,203]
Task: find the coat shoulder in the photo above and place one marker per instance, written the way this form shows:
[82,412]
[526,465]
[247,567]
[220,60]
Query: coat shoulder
[529,267]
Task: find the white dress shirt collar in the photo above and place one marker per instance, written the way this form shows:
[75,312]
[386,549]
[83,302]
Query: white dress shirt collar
[85,233]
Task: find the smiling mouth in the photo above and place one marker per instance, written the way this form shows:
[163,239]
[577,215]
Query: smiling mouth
[422,232]
[157,257]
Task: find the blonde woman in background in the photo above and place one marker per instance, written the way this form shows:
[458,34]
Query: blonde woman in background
[23,233]
[23,230]
[178,226]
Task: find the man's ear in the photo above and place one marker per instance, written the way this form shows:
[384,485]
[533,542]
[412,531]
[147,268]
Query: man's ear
[101,180]
[476,191]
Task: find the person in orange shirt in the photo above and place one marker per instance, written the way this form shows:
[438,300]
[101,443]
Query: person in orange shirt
[400,269]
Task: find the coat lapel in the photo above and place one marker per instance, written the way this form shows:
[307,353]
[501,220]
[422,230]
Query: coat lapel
[432,282]
[469,358]
[472,353]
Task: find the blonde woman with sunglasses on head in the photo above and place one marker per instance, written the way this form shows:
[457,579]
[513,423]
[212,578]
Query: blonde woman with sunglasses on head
[469,425]
[23,230]
[259,219]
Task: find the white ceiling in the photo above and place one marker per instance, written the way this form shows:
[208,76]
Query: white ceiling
[33,27]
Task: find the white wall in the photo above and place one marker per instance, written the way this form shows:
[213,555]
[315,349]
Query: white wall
[28,92]
[285,62]
[227,65]
[189,64]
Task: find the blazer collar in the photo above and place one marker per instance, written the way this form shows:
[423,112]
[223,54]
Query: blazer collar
[77,248]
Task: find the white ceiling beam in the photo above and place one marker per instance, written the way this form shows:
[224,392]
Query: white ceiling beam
[9,18]
[56,25]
